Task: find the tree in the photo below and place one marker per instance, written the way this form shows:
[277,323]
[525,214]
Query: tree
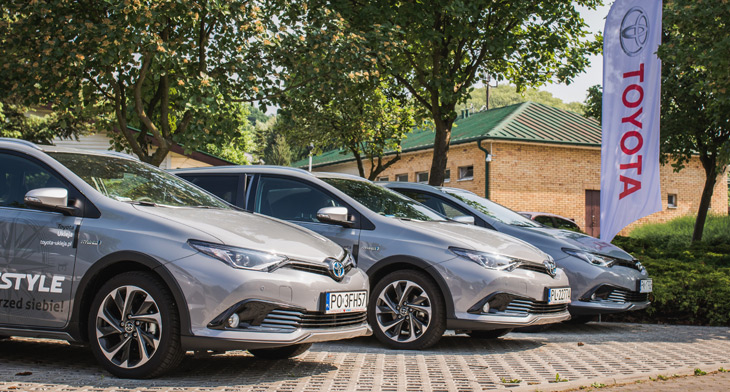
[505,95]
[365,117]
[437,50]
[594,102]
[21,122]
[178,70]
[696,91]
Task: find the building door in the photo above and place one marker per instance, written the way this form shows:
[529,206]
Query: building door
[593,213]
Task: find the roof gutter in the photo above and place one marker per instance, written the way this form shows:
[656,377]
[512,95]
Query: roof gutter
[487,159]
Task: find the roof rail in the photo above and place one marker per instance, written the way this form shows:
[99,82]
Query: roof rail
[20,141]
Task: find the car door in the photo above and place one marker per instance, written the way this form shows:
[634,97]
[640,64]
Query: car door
[37,248]
[298,201]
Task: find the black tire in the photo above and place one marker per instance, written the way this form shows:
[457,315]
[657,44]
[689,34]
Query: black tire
[281,352]
[417,320]
[577,320]
[145,345]
[491,334]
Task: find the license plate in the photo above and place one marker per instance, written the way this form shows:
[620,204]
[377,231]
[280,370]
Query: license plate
[559,296]
[646,286]
[346,301]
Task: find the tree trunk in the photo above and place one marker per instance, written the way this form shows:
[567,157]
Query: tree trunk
[710,180]
[440,151]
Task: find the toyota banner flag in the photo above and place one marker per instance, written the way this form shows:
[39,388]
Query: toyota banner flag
[631,88]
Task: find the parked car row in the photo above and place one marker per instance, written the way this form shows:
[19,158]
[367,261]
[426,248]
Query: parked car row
[144,266]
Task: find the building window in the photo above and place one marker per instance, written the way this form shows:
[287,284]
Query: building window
[422,177]
[672,200]
[466,173]
[447,176]
[384,178]
[401,177]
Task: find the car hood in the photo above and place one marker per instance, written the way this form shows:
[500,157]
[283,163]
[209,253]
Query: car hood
[583,242]
[477,238]
[252,231]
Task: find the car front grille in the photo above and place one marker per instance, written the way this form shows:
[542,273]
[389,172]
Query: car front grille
[534,267]
[623,296]
[526,306]
[292,319]
[312,268]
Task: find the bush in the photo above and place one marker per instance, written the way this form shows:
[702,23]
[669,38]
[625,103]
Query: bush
[691,282]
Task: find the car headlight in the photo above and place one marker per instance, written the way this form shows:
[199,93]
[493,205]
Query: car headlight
[239,257]
[592,258]
[487,260]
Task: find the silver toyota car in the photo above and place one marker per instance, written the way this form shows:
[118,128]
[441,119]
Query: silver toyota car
[144,266]
[604,278]
[427,273]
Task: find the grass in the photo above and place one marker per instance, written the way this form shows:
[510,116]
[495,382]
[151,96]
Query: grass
[678,232]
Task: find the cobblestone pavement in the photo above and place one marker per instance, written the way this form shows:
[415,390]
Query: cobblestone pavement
[574,355]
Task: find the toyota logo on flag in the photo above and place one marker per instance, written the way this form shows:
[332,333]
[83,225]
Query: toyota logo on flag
[634,31]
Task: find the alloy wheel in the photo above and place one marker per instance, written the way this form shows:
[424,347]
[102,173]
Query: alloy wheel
[128,327]
[403,311]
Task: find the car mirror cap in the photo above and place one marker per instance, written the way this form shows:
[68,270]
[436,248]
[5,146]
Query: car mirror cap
[50,199]
[336,215]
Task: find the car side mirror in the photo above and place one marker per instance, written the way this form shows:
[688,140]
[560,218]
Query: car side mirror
[468,219]
[336,215]
[50,199]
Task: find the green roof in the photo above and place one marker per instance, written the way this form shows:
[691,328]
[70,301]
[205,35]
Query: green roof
[528,122]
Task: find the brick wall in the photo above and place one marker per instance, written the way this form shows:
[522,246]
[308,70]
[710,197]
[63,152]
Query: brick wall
[549,178]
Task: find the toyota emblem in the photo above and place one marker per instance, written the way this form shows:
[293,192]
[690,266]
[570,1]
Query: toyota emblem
[634,31]
[336,269]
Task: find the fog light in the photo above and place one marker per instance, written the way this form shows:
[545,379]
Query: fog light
[485,308]
[234,320]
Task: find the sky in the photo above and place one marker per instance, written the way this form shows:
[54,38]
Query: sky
[577,90]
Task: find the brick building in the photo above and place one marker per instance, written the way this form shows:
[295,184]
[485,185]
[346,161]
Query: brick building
[532,157]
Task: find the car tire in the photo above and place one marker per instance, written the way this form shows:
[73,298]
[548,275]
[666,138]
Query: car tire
[281,352]
[145,342]
[406,310]
[491,334]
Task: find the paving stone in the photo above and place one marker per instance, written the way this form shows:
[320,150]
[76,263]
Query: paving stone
[573,355]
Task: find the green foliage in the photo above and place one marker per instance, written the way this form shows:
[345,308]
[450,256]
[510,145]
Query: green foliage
[696,90]
[437,50]
[505,95]
[594,102]
[178,70]
[691,282]
[700,372]
[21,122]
[369,118]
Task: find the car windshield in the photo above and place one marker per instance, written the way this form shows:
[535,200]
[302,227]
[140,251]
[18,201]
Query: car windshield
[131,181]
[492,209]
[384,201]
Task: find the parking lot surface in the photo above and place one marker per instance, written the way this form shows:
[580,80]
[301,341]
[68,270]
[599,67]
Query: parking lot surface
[561,358]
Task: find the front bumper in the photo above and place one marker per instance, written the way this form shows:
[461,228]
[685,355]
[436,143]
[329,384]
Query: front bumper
[605,299]
[237,340]
[213,290]
[470,285]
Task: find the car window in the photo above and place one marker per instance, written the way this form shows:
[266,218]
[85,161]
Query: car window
[566,224]
[433,203]
[225,187]
[492,209]
[290,199]
[132,181]
[545,220]
[19,175]
[382,200]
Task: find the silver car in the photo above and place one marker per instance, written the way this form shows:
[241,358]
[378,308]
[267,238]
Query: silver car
[144,266]
[427,273]
[604,278]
